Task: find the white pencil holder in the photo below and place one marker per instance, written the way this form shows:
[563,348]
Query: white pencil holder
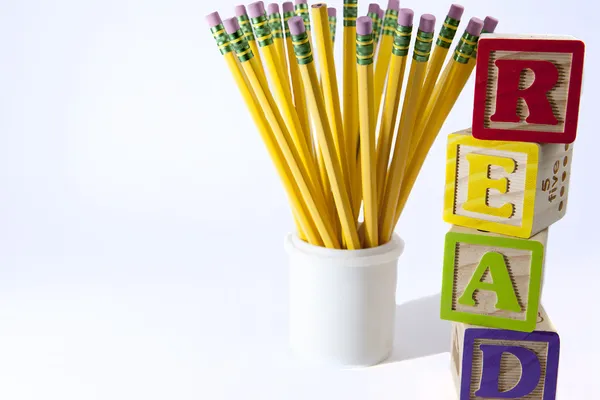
[342,302]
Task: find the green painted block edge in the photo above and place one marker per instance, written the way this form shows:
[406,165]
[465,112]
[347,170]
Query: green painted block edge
[490,321]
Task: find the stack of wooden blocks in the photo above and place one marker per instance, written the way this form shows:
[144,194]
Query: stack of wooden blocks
[507,181]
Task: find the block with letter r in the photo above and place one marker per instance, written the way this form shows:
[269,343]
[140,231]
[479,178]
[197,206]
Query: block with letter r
[527,88]
[501,364]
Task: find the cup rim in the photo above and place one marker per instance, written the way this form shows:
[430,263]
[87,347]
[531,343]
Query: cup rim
[386,252]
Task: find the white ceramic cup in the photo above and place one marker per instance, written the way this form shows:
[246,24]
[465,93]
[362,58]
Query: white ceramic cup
[342,302]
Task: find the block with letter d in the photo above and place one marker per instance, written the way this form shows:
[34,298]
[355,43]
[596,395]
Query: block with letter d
[492,280]
[500,364]
[527,88]
[511,188]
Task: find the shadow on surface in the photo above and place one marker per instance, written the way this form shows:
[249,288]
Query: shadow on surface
[419,331]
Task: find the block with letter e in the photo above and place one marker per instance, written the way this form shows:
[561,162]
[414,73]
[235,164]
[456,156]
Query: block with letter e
[492,280]
[527,88]
[501,364]
[511,188]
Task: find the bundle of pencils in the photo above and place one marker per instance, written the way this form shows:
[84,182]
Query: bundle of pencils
[337,158]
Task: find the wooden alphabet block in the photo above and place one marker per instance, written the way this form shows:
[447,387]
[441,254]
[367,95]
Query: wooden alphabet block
[500,364]
[512,188]
[527,88]
[492,280]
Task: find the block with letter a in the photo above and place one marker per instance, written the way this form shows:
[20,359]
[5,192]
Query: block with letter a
[511,188]
[528,88]
[492,280]
[501,364]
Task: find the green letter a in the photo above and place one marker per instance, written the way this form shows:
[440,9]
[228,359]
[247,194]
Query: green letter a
[501,283]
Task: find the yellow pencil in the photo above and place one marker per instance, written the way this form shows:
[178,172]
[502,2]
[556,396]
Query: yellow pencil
[332,16]
[373,13]
[264,37]
[391,103]
[267,104]
[278,39]
[453,83]
[395,175]
[442,45]
[385,49]
[316,104]
[244,21]
[305,226]
[329,84]
[364,59]
[350,104]
[297,89]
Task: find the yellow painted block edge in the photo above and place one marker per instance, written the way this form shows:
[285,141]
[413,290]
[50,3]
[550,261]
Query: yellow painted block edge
[531,149]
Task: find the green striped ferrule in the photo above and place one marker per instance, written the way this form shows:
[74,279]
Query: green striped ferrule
[474,53]
[350,12]
[364,49]
[401,44]
[240,45]
[276,26]
[218,32]
[302,48]
[465,48]
[286,18]
[262,30]
[390,21]
[302,11]
[423,45]
[447,32]
[246,26]
[375,18]
[332,27]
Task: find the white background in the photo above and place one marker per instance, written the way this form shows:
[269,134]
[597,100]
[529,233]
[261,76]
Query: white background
[142,223]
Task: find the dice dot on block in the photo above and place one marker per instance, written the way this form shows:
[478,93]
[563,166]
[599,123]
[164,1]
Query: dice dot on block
[512,188]
[504,364]
[492,280]
[528,88]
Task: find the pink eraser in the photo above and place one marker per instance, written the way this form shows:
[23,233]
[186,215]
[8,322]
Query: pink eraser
[393,5]
[231,25]
[380,13]
[213,19]
[490,24]
[364,26]
[288,6]
[301,2]
[331,12]
[405,17]
[475,26]
[256,9]
[427,23]
[240,10]
[374,8]
[296,25]
[456,11]
[273,8]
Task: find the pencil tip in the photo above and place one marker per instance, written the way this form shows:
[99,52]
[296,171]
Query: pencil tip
[213,19]
[475,26]
[490,24]
[405,17]
[296,25]
[231,25]
[456,11]
[427,23]
[364,26]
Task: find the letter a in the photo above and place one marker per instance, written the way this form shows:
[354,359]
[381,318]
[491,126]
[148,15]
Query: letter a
[501,283]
